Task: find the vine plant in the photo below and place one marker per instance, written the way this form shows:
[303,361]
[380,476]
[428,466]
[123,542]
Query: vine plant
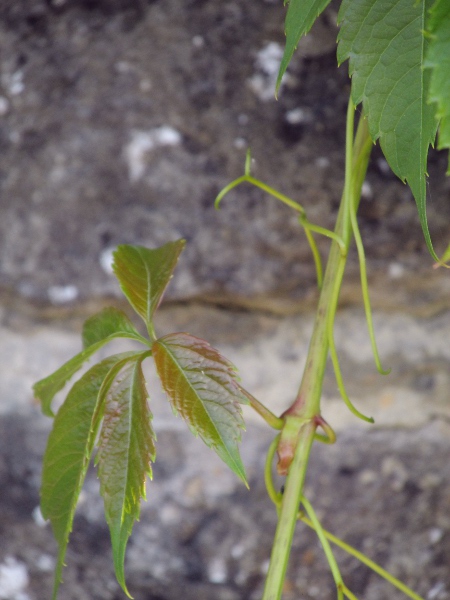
[399,53]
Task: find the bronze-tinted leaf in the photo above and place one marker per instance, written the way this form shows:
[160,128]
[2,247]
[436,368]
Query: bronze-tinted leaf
[201,386]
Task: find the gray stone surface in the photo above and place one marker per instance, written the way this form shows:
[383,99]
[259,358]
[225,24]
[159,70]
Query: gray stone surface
[120,122]
[202,535]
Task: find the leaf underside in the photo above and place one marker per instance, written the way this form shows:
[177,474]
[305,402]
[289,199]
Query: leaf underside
[300,17]
[438,60]
[383,39]
[69,448]
[143,274]
[126,449]
[202,387]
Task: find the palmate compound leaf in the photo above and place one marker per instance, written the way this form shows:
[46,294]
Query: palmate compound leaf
[69,448]
[202,387]
[438,60]
[385,44]
[300,17]
[100,329]
[126,449]
[143,275]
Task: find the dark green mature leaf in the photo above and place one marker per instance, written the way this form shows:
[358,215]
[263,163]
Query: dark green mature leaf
[385,44]
[109,322]
[300,17]
[143,275]
[201,385]
[68,452]
[438,59]
[126,448]
[103,323]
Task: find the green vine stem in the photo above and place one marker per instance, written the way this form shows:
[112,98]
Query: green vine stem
[277,498]
[300,425]
[262,410]
[340,586]
[303,220]
[365,560]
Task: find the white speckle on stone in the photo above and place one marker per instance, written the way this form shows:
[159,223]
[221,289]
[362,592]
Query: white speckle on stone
[237,551]
[239,143]
[296,116]
[437,591]
[145,141]
[383,166]
[198,41]
[367,477]
[106,260]
[4,106]
[45,563]
[60,294]
[396,270]
[14,83]
[267,64]
[37,517]
[366,191]
[322,162]
[122,66]
[13,579]
[264,568]
[435,535]
[217,571]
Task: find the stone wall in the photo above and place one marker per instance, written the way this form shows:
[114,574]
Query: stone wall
[120,120]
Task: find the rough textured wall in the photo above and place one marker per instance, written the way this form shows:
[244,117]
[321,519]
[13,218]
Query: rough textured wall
[120,122]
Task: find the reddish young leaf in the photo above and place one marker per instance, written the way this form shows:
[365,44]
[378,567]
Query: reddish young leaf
[143,275]
[201,385]
[126,448]
[68,452]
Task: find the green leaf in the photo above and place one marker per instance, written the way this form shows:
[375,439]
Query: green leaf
[45,389]
[438,59]
[202,386]
[68,452]
[143,275]
[300,17]
[385,44]
[126,448]
[109,322]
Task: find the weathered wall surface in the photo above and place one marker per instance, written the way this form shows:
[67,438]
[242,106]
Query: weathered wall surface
[120,122]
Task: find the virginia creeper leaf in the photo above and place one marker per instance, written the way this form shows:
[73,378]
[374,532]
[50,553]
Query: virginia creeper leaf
[385,44]
[68,452]
[300,17]
[126,448]
[109,322]
[202,386]
[143,275]
[45,389]
[438,59]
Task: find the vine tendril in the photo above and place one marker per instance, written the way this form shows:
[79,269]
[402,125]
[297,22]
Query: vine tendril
[303,220]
